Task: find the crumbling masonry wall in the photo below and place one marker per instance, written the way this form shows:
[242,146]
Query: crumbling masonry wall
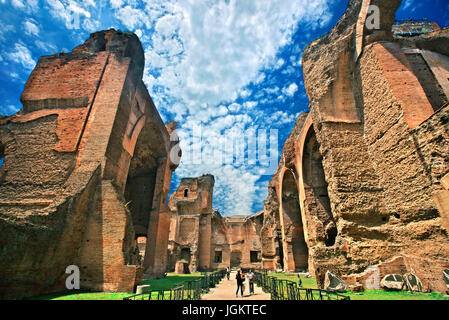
[378,133]
[88,126]
[201,239]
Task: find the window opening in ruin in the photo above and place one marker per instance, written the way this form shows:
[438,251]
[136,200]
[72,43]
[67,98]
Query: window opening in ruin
[280,253]
[293,227]
[1,162]
[218,257]
[185,255]
[315,187]
[141,245]
[186,193]
[254,256]
[236,258]
[428,81]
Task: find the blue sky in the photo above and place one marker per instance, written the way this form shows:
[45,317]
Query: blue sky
[229,67]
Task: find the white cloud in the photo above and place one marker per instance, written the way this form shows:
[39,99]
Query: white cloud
[9,110]
[250,104]
[46,46]
[132,18]
[22,55]
[290,90]
[31,28]
[234,107]
[116,3]
[208,51]
[18,4]
[73,13]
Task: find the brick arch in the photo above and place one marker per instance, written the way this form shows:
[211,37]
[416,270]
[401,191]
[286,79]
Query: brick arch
[315,186]
[295,247]
[142,174]
[319,223]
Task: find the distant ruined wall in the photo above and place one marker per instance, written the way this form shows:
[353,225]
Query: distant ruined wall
[370,160]
[203,238]
[87,131]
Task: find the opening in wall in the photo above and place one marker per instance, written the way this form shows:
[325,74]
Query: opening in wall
[254,256]
[141,245]
[1,162]
[294,230]
[316,188]
[186,193]
[218,257]
[236,258]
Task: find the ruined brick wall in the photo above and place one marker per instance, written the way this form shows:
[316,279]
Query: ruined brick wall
[203,237]
[191,216]
[87,126]
[371,158]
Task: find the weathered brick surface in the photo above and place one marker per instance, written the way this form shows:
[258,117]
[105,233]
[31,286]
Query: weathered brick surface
[87,130]
[374,177]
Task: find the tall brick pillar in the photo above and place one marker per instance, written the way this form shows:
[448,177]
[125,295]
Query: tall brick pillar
[155,262]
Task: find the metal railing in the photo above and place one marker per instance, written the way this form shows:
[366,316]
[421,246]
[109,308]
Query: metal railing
[189,290]
[281,289]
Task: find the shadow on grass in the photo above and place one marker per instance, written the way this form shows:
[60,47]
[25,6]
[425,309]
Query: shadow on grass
[81,295]
[170,281]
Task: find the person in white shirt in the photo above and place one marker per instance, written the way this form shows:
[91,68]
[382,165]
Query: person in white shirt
[250,277]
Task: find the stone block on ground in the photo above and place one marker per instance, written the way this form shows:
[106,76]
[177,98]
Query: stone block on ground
[143,289]
[392,282]
[413,283]
[334,283]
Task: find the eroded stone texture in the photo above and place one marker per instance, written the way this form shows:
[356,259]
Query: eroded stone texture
[201,238]
[370,159]
[75,156]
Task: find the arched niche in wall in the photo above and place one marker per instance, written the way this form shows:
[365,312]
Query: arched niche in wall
[292,223]
[141,180]
[315,188]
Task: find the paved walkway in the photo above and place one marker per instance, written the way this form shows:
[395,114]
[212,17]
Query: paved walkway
[225,290]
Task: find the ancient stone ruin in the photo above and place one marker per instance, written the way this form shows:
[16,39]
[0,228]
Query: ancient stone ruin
[361,193]
[362,188]
[87,170]
[201,239]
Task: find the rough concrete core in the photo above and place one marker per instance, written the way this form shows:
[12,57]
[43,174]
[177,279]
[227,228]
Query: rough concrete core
[365,168]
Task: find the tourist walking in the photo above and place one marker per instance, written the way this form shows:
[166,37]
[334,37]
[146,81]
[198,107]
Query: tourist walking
[243,281]
[239,279]
[251,281]
[228,272]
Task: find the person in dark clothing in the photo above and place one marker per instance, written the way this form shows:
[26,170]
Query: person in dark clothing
[299,281]
[239,279]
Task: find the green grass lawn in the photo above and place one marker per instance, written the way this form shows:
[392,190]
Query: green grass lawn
[306,282]
[367,294]
[171,280]
[70,295]
[166,283]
